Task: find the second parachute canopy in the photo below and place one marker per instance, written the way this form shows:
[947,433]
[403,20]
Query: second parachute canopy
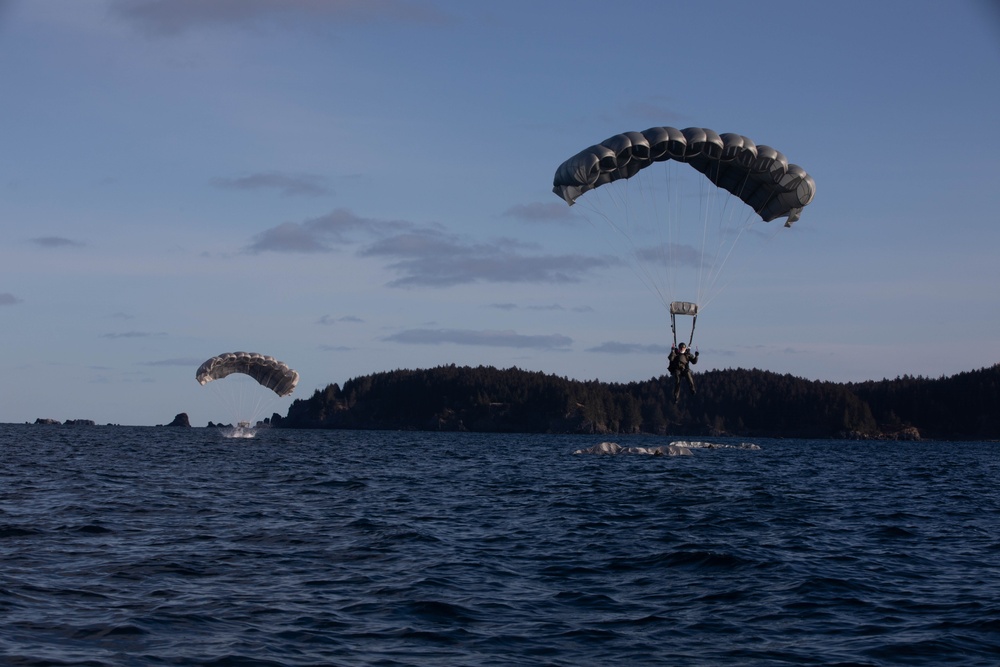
[268,371]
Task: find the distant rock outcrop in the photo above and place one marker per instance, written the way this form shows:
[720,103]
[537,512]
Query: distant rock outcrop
[45,420]
[911,433]
[181,420]
[80,422]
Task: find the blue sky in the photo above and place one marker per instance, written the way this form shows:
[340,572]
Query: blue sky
[359,186]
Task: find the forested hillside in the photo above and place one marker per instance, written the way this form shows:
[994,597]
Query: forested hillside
[963,406]
[729,402]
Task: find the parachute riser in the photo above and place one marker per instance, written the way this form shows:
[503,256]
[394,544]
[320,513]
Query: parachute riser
[683,308]
[673,328]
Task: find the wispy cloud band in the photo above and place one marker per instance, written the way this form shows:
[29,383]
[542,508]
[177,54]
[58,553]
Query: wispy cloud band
[481,338]
[55,242]
[426,255]
[132,334]
[289,185]
[613,347]
[173,17]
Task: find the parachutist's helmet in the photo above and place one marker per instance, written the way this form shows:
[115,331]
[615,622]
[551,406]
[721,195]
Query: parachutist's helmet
[682,346]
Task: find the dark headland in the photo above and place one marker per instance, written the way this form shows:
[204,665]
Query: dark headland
[735,402]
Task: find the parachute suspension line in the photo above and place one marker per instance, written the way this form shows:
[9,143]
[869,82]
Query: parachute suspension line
[704,216]
[664,225]
[648,261]
[727,234]
[241,397]
[617,201]
[738,232]
[729,280]
[750,219]
[665,222]
[631,209]
[714,232]
[714,210]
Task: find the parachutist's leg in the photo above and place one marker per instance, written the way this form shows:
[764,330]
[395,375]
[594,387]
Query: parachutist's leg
[677,386]
[691,383]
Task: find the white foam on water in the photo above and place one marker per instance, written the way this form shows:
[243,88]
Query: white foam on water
[675,448]
[613,448]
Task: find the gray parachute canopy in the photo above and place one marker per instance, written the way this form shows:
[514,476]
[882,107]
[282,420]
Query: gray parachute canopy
[268,371]
[759,175]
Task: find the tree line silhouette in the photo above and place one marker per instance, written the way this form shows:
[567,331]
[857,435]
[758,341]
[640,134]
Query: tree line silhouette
[735,402]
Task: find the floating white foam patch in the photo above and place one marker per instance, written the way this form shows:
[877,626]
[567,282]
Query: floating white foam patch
[676,448]
[614,448]
[714,445]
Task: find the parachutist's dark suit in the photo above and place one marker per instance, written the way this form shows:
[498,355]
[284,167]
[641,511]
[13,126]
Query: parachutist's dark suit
[679,368]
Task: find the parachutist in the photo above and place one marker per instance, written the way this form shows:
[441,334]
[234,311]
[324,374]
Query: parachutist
[637,182]
[680,360]
[266,371]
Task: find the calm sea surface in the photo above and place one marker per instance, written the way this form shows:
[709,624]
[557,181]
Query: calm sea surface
[159,546]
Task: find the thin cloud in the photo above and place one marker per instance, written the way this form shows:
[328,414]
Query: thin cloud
[289,185]
[542,212]
[322,234]
[55,242]
[8,299]
[431,258]
[336,348]
[613,347]
[132,334]
[173,17]
[426,255]
[289,237]
[550,307]
[481,338]
[657,111]
[177,361]
[670,253]
[330,320]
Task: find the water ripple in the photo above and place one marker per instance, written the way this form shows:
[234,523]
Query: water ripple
[136,546]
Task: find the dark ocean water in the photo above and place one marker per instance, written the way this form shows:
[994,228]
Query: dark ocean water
[146,546]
